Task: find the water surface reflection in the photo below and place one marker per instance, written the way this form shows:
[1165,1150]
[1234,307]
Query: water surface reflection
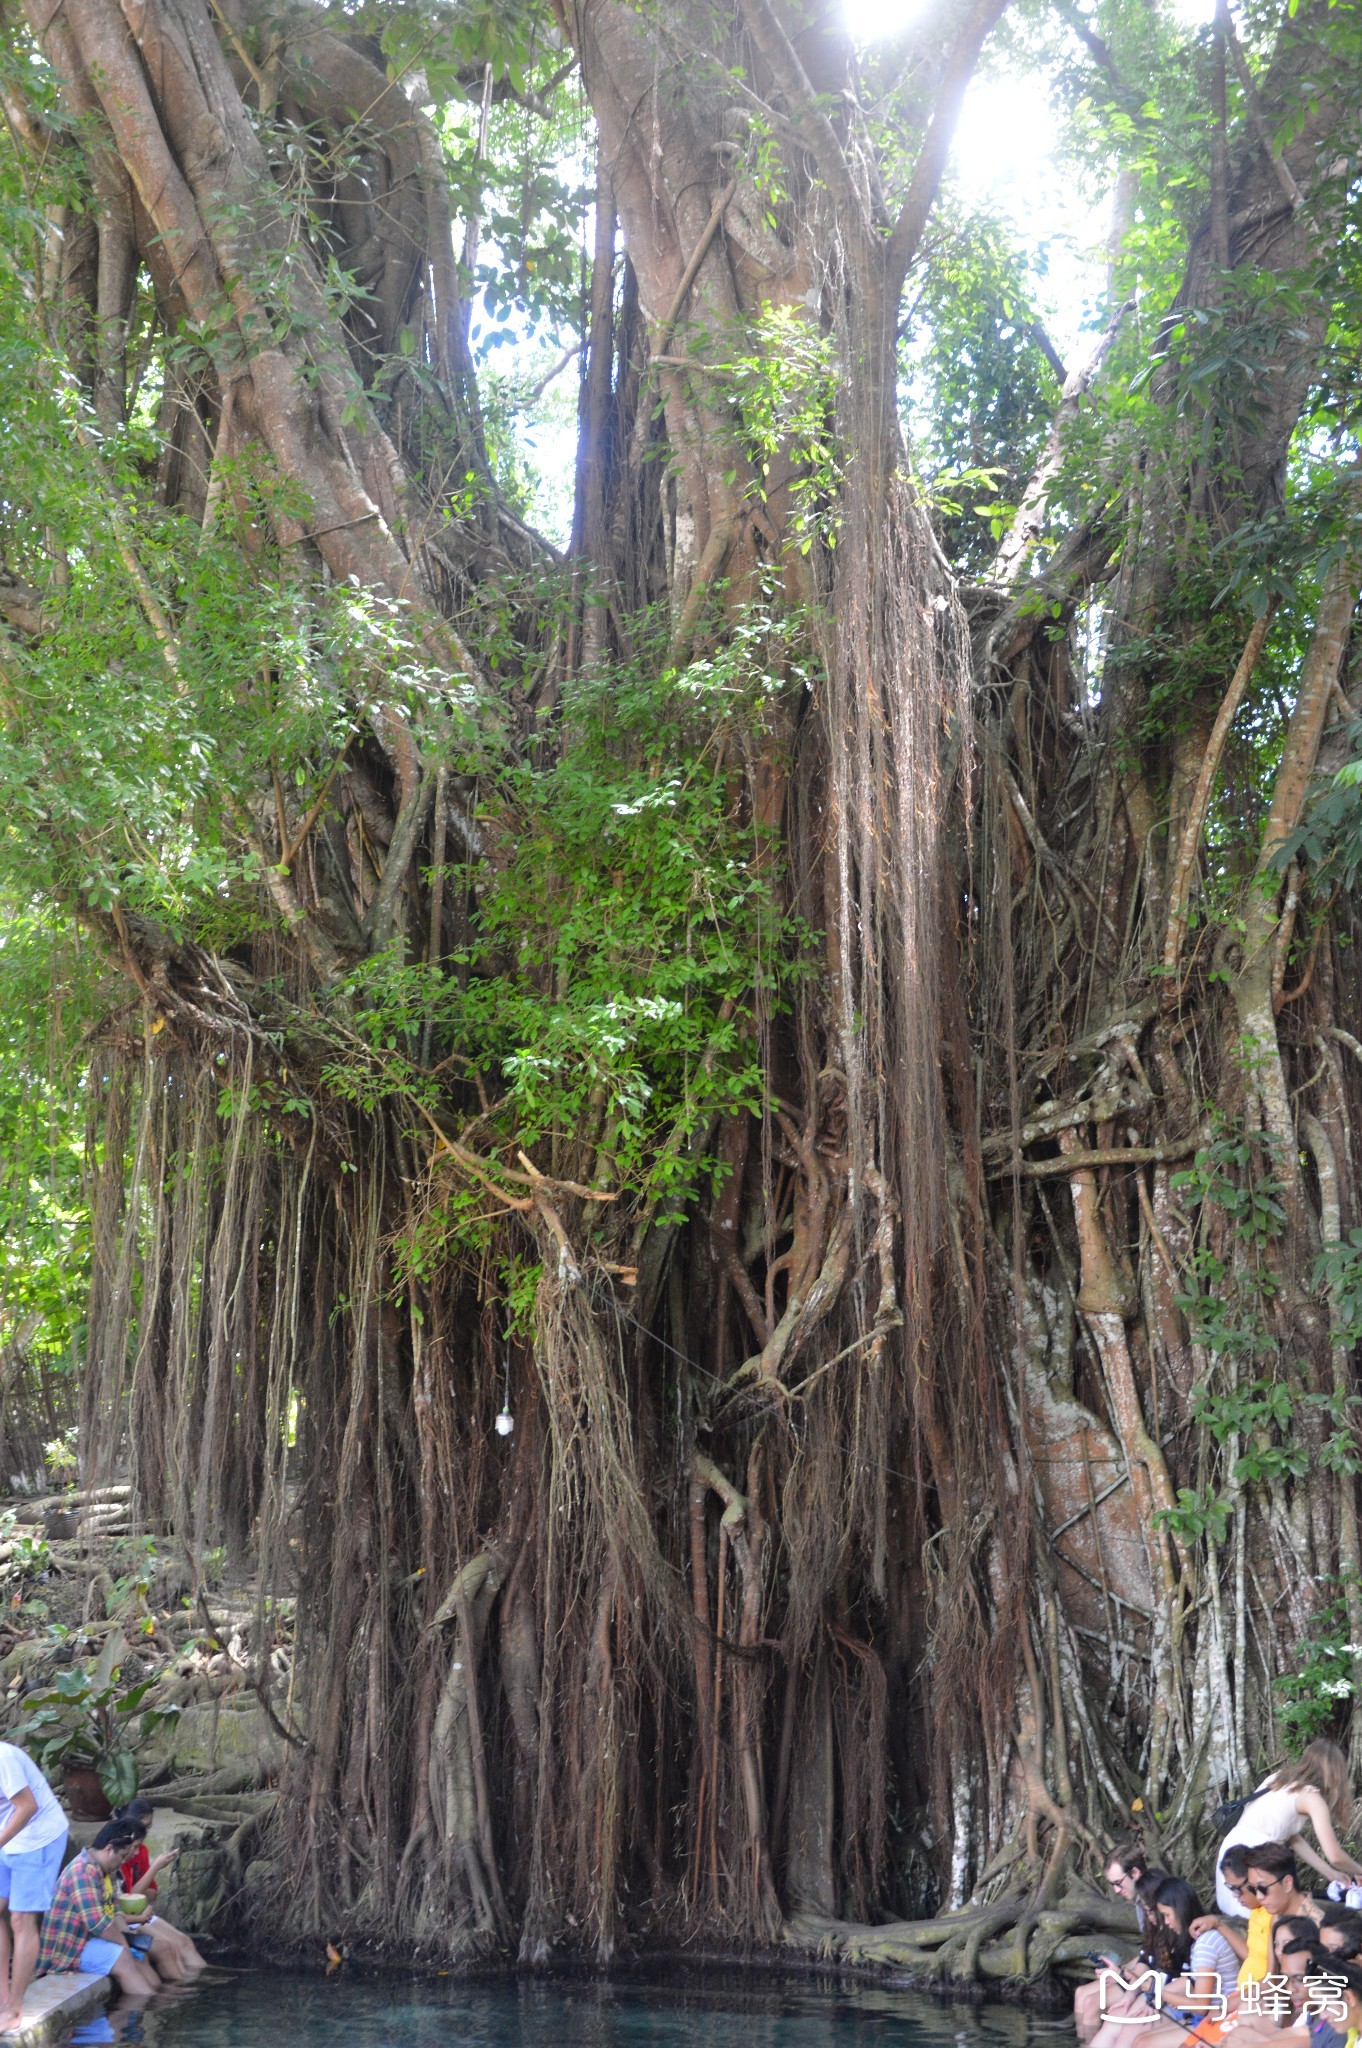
[698,2009]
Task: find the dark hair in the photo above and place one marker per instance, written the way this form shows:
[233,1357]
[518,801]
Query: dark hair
[1349,1972]
[139,1811]
[117,1834]
[1298,1925]
[1235,1860]
[1347,1921]
[1146,1891]
[1130,1857]
[1170,1947]
[1273,1857]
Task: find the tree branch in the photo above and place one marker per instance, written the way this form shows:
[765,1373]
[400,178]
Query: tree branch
[927,172]
[1201,797]
[1258,121]
[691,271]
[813,124]
[1050,352]
[411,817]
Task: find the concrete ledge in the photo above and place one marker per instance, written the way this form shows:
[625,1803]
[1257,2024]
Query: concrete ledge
[54,2003]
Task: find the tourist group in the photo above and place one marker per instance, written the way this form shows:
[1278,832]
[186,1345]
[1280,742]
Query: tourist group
[1272,1960]
[90,1911]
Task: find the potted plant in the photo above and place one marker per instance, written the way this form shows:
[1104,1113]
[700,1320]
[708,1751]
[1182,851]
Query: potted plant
[91,1726]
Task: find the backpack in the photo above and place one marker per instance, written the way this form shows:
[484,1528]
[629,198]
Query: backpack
[1231,1812]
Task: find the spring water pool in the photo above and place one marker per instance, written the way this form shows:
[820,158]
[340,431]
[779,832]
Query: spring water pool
[711,2009]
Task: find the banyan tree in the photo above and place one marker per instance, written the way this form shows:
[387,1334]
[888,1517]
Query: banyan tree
[732,1147]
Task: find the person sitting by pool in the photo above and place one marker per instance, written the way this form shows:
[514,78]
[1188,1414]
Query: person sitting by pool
[1310,1975]
[173,1954]
[1301,1969]
[1291,1932]
[80,1932]
[1271,1883]
[1340,1932]
[1251,1943]
[1126,1864]
[1346,1985]
[1122,1988]
[1190,1973]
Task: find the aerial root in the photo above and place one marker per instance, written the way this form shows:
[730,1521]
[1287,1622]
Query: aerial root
[978,1945]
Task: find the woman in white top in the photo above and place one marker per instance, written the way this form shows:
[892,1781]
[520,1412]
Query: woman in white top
[1313,1792]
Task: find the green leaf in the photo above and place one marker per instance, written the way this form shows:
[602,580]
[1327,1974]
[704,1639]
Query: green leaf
[118,1776]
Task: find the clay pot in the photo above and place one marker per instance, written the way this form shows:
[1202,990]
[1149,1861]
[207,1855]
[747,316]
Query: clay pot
[85,1798]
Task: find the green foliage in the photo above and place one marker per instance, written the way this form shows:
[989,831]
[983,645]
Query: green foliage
[624,933]
[1339,1269]
[1233,1186]
[1313,1695]
[1329,836]
[1264,1415]
[1200,1512]
[90,1718]
[50,986]
[30,1553]
[782,380]
[1234,1172]
[980,389]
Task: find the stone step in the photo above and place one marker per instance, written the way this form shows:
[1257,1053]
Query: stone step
[55,2003]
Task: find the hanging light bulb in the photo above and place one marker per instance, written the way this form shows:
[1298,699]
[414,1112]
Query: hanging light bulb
[505,1422]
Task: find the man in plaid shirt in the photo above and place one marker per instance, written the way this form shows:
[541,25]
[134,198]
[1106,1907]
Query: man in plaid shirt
[80,1932]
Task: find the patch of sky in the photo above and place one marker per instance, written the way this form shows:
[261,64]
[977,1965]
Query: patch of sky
[1008,160]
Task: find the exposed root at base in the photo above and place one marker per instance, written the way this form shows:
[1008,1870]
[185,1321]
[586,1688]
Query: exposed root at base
[979,1945]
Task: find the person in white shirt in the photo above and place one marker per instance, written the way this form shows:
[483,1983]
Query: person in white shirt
[1314,1792]
[32,1845]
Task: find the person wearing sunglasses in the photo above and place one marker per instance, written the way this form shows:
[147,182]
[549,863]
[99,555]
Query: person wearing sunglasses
[1123,1869]
[1252,1943]
[1312,1792]
[1271,1883]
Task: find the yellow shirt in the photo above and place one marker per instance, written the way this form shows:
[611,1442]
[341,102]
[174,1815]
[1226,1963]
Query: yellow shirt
[1258,1961]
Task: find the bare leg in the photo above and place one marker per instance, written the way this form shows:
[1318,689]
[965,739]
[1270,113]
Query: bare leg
[173,1954]
[1087,2010]
[134,1977]
[25,1956]
[9,2006]
[166,1959]
[1116,2033]
[1170,2035]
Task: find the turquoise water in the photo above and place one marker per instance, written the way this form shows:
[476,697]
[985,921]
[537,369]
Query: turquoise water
[266,2009]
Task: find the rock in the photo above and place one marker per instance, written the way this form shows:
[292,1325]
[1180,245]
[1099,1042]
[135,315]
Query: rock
[210,1737]
[189,1891]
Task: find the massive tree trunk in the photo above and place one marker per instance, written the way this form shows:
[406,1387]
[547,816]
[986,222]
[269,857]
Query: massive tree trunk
[857,1547]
